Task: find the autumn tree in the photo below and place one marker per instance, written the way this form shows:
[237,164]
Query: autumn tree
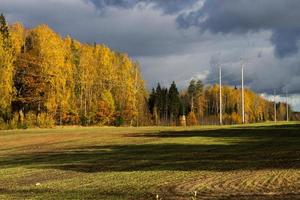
[43,74]
[44,77]
[196,98]
[6,70]
[106,108]
[191,119]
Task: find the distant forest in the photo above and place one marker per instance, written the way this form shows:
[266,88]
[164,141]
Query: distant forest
[48,80]
[201,104]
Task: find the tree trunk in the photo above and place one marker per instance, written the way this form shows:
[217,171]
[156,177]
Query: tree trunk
[38,113]
[21,116]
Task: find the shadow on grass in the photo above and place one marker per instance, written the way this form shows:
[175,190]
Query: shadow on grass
[98,194]
[83,193]
[239,131]
[254,148]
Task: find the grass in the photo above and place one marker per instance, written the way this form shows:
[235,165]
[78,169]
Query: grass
[259,161]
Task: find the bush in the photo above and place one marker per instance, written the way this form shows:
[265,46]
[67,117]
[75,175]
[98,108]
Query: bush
[22,126]
[192,119]
[70,118]
[45,121]
[83,120]
[232,118]
[236,119]
[119,121]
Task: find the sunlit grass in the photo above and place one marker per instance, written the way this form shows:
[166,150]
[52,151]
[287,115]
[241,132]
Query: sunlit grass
[244,161]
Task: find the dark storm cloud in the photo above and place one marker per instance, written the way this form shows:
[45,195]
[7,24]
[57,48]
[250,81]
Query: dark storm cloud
[169,6]
[120,24]
[240,16]
[148,31]
[286,41]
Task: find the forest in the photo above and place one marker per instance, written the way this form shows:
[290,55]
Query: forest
[48,80]
[200,103]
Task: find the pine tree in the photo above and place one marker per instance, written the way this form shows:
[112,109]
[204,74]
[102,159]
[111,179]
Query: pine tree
[152,100]
[159,100]
[165,99]
[174,103]
[4,30]
[192,94]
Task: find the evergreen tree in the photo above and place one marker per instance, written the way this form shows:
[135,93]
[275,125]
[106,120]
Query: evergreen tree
[151,100]
[3,27]
[192,89]
[165,99]
[159,100]
[174,102]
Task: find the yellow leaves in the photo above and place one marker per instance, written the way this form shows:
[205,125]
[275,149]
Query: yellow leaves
[106,107]
[90,80]
[191,119]
[105,55]
[87,66]
[101,70]
[48,49]
[17,33]
[6,76]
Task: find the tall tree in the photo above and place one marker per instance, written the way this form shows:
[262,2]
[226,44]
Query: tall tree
[4,31]
[6,69]
[174,102]
[43,74]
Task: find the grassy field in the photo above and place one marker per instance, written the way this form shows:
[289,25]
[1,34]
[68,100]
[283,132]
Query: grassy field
[252,162]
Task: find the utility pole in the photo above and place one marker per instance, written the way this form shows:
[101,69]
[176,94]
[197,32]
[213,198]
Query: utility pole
[287,107]
[243,95]
[275,109]
[220,77]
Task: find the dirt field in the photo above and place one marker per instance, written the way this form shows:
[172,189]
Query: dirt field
[252,162]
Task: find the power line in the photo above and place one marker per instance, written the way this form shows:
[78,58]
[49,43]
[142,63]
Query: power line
[216,79]
[238,78]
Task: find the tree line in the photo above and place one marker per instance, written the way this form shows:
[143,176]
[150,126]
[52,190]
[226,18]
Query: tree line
[46,80]
[201,104]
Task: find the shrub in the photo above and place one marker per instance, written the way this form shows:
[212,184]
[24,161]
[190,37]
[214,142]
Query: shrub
[83,120]
[191,119]
[236,119]
[119,121]
[45,120]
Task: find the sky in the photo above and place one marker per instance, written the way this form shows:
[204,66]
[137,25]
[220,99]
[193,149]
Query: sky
[180,40]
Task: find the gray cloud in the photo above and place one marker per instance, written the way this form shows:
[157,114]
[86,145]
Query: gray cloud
[242,16]
[286,41]
[148,31]
[139,30]
[169,6]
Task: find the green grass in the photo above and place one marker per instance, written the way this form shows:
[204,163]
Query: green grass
[260,161]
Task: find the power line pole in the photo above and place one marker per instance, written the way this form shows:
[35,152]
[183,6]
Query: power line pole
[243,96]
[220,79]
[275,109]
[287,107]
